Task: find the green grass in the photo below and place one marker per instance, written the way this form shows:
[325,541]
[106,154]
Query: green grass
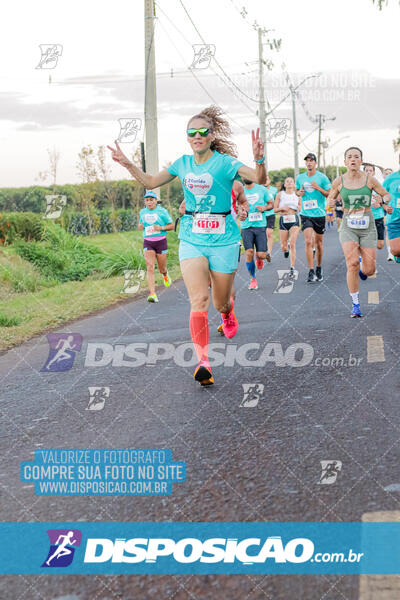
[31,303]
[6,321]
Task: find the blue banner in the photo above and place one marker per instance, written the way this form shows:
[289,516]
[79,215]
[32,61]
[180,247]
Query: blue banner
[103,472]
[212,548]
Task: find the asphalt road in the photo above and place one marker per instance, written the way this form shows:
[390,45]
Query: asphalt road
[248,458]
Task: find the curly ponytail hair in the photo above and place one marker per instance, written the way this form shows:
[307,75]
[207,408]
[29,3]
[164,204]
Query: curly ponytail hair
[220,127]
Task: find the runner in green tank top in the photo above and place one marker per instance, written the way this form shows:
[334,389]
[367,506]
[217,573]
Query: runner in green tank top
[357,232]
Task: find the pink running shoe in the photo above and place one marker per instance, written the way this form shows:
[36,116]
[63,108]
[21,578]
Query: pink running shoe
[260,263]
[230,324]
[253,284]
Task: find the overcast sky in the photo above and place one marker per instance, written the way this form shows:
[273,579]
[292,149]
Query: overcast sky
[99,76]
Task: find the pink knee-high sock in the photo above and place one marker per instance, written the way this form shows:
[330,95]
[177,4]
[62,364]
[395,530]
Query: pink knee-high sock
[199,333]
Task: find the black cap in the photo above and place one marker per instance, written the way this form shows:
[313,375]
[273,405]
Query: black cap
[311,155]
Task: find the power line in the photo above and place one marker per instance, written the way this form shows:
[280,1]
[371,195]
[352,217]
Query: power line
[217,74]
[191,71]
[301,101]
[216,61]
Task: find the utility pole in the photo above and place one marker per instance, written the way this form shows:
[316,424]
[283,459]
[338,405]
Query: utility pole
[295,140]
[320,118]
[321,122]
[261,112]
[150,93]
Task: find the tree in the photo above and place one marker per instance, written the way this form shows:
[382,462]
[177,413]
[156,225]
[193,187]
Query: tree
[396,143]
[380,3]
[88,172]
[54,159]
[108,187]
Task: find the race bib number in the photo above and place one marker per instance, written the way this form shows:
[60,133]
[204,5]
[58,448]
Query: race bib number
[256,216]
[204,223]
[289,218]
[358,222]
[310,204]
[150,230]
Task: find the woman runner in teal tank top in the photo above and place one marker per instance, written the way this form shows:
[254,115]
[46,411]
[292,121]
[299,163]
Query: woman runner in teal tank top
[208,233]
[357,232]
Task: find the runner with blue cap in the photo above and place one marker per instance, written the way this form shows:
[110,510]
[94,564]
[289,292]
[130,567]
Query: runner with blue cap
[155,221]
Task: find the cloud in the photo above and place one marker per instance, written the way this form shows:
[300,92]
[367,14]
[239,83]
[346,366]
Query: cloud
[359,101]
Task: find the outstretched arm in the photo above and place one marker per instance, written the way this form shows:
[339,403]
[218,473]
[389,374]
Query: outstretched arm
[148,181]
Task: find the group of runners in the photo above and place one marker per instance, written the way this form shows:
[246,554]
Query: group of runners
[215,201]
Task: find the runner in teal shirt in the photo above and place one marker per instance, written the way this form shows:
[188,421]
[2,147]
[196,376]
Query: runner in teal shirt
[392,185]
[271,217]
[155,221]
[253,228]
[377,212]
[149,218]
[207,188]
[313,188]
[272,191]
[313,201]
[208,250]
[257,195]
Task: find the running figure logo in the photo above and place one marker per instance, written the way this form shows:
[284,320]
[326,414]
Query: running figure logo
[330,470]
[63,347]
[203,53]
[98,396]
[63,543]
[132,279]
[55,204]
[128,130]
[285,282]
[50,54]
[252,393]
[277,130]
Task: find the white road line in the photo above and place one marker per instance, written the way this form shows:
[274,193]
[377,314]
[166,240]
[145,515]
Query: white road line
[380,587]
[375,349]
[373,297]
